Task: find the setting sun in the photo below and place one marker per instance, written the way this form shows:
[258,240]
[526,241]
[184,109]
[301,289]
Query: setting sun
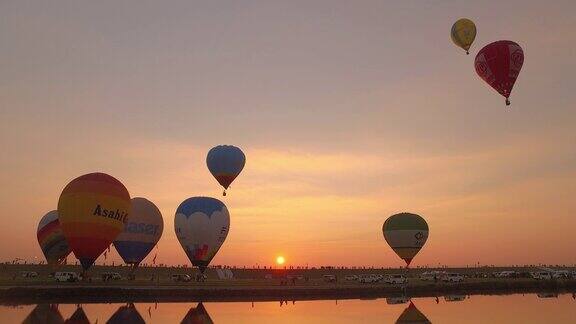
[280,260]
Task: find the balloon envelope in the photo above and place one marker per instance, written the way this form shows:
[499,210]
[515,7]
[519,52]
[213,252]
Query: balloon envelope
[51,238]
[78,317]
[499,64]
[225,162]
[92,210]
[412,315]
[141,232]
[126,315]
[197,315]
[201,225]
[463,33]
[44,314]
[406,233]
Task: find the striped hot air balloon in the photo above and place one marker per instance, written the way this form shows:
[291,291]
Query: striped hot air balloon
[225,162]
[51,238]
[406,234]
[141,232]
[201,225]
[92,210]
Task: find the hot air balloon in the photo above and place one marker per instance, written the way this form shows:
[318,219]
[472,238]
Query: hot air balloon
[141,232]
[499,64]
[92,210]
[127,314]
[412,315]
[463,33]
[201,225]
[197,315]
[51,239]
[225,162]
[406,233]
[44,314]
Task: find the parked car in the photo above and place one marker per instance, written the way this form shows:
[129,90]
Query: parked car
[480,275]
[561,274]
[397,300]
[181,277]
[395,279]
[29,274]
[548,295]
[107,276]
[329,278]
[454,298]
[541,275]
[66,276]
[506,274]
[368,278]
[431,275]
[351,278]
[453,277]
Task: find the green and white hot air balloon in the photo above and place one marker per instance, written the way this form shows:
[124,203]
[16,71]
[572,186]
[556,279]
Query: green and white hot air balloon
[406,234]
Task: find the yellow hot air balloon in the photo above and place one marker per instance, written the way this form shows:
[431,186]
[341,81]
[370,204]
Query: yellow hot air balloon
[463,33]
[92,210]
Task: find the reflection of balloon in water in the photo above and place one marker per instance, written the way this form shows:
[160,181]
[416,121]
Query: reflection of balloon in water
[463,33]
[201,225]
[78,317]
[141,232]
[499,64]
[51,239]
[127,314]
[412,315]
[225,162]
[406,233]
[197,315]
[92,210]
[44,314]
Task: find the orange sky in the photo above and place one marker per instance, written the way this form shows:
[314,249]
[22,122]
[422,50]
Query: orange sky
[347,112]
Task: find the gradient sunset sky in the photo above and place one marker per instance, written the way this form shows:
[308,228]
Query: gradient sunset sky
[348,112]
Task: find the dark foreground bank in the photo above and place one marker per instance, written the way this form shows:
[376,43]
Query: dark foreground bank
[98,294]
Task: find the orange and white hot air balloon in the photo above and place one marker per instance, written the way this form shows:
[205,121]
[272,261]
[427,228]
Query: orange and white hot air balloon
[92,211]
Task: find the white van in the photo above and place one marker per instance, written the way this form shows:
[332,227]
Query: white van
[395,279]
[66,276]
[453,277]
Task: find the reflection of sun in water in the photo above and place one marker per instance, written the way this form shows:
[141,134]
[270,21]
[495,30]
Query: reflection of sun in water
[280,260]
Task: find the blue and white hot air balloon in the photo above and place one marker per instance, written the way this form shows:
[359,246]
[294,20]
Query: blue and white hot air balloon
[225,162]
[141,232]
[201,225]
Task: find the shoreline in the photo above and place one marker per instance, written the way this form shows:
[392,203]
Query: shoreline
[20,295]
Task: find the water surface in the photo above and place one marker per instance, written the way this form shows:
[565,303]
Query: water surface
[520,308]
